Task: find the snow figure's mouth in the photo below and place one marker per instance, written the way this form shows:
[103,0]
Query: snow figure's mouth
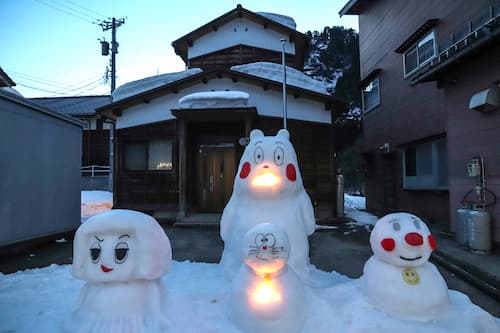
[265,259]
[106,269]
[265,180]
[410,259]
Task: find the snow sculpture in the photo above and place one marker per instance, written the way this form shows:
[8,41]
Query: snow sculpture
[266,295]
[122,255]
[398,279]
[268,187]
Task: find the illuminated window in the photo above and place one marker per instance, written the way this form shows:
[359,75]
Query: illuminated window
[420,53]
[153,155]
[371,95]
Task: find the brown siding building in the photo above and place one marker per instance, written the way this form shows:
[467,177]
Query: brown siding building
[430,78]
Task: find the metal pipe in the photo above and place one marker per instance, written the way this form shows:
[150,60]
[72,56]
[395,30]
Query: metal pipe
[283,61]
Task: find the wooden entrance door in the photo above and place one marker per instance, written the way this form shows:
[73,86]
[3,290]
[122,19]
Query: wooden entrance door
[216,168]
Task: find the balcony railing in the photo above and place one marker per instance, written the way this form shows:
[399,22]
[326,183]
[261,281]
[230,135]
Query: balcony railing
[474,29]
[95,170]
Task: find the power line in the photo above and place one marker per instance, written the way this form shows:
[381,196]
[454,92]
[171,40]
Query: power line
[78,12]
[43,81]
[65,12]
[87,9]
[66,92]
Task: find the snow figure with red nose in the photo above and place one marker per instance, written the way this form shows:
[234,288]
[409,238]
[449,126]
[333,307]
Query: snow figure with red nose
[268,188]
[398,279]
[266,296]
[122,255]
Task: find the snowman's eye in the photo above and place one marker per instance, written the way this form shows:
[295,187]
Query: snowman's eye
[95,252]
[121,252]
[417,225]
[396,226]
[270,240]
[259,240]
[279,154]
[258,155]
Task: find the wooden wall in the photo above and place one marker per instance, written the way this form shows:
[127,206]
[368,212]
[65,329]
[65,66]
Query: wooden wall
[146,190]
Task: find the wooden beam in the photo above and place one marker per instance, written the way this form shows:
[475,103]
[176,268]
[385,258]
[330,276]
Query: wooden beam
[234,79]
[215,28]
[265,86]
[219,75]
[204,80]
[117,112]
[189,42]
[182,167]
[146,100]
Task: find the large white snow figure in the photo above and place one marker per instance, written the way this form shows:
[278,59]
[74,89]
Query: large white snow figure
[266,295]
[122,254]
[268,188]
[398,279]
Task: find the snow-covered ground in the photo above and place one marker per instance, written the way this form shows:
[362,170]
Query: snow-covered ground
[354,207]
[95,202]
[41,300]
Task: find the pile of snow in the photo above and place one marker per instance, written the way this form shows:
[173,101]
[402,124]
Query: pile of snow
[95,202]
[281,19]
[353,208]
[274,72]
[40,300]
[214,99]
[136,87]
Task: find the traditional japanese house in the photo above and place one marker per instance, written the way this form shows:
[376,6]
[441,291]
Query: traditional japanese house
[179,136]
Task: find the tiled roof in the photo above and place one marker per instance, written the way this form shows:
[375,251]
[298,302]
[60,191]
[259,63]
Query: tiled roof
[74,106]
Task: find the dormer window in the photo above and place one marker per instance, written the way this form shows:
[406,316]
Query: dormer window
[419,53]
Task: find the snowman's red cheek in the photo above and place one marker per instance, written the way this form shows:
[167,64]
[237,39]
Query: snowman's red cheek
[291,174]
[432,242]
[388,244]
[245,170]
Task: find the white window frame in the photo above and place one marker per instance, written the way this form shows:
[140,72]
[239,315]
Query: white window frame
[426,182]
[429,36]
[363,101]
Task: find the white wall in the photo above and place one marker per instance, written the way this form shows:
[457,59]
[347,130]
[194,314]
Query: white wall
[239,31]
[268,103]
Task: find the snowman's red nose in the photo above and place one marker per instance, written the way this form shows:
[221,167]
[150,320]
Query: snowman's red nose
[414,239]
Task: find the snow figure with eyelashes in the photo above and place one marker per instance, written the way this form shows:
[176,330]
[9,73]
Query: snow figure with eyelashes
[398,279]
[268,187]
[266,296]
[122,255]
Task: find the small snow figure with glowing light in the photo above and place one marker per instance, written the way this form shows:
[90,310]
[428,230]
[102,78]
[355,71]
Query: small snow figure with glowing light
[268,187]
[266,295]
[122,255]
[398,279]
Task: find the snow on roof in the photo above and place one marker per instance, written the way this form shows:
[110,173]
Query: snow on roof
[281,19]
[274,72]
[138,86]
[74,106]
[214,99]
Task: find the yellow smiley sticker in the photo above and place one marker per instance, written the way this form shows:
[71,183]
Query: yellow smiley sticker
[411,277]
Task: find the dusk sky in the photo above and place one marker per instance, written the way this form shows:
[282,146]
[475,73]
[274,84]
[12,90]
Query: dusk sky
[52,45]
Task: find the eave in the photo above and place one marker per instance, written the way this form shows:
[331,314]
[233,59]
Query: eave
[181,44]
[355,7]
[419,33]
[115,109]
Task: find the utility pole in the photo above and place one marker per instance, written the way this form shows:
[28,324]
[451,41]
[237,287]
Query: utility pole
[112,25]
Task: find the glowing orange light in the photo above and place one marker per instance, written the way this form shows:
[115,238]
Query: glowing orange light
[266,179]
[266,293]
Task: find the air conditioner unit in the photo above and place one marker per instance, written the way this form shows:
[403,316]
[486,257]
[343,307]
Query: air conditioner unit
[486,100]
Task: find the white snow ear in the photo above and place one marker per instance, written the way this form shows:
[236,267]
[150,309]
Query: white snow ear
[284,133]
[256,133]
